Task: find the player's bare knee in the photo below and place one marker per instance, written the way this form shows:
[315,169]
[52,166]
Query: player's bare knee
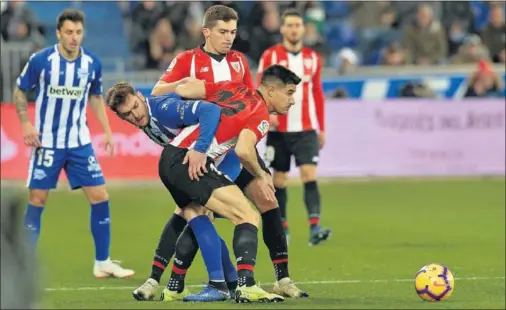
[192,211]
[38,197]
[308,173]
[279,179]
[261,203]
[96,194]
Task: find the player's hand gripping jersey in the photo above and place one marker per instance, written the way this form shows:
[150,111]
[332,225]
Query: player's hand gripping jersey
[242,108]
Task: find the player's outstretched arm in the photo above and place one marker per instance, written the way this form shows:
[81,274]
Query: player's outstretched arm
[162,87]
[192,90]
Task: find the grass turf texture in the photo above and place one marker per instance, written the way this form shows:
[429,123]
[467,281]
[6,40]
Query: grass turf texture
[382,230]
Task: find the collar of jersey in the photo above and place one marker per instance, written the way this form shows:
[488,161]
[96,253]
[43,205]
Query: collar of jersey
[70,61]
[217,57]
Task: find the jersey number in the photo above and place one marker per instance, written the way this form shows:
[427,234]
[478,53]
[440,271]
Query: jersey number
[233,107]
[45,157]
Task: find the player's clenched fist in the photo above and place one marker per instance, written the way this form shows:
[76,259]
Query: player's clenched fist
[30,135]
[196,164]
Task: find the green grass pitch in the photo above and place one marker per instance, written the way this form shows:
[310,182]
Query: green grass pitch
[383,232]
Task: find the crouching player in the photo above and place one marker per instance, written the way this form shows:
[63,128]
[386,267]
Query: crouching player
[161,118]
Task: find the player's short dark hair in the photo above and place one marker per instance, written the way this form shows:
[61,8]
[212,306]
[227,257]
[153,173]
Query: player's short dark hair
[217,13]
[72,15]
[117,94]
[290,12]
[279,74]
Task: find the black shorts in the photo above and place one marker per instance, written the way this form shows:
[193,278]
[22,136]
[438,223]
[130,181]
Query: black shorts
[245,177]
[174,176]
[304,146]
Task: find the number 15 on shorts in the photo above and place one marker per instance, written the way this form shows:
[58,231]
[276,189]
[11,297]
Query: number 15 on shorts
[44,157]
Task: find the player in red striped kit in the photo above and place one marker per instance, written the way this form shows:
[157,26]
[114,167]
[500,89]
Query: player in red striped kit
[300,133]
[215,62]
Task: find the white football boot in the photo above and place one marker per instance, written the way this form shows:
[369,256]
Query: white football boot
[111,268]
[146,291]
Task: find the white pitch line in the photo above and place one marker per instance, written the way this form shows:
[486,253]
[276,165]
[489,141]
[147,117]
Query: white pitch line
[110,288]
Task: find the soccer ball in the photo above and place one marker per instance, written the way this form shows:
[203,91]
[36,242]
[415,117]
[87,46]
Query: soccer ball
[434,282]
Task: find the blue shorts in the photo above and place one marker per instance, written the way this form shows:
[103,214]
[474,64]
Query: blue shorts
[230,165]
[80,164]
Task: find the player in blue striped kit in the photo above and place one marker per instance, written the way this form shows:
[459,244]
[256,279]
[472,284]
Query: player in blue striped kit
[65,77]
[161,118]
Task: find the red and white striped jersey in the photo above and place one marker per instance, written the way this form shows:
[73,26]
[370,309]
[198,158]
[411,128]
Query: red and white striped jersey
[242,108]
[308,112]
[199,64]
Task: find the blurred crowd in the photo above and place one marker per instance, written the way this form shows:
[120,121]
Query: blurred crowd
[346,34]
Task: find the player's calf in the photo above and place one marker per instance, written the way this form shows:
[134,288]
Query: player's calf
[33,215]
[279,179]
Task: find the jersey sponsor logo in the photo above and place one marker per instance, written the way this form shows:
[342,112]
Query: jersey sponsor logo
[64,92]
[236,65]
[172,65]
[204,69]
[263,127]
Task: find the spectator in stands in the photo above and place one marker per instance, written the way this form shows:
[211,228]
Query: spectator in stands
[193,35]
[425,38]
[494,34]
[456,35]
[407,11]
[346,61]
[416,90]
[162,46]
[471,51]
[460,12]
[314,40]
[395,55]
[339,93]
[266,35]
[144,18]
[18,23]
[373,23]
[484,82]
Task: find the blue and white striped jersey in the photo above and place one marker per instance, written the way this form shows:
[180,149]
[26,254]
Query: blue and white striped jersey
[62,89]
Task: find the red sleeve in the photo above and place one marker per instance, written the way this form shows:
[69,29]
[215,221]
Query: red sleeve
[319,96]
[259,123]
[265,61]
[248,78]
[212,88]
[178,69]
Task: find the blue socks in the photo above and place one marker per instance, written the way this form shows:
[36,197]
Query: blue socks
[101,229]
[228,266]
[209,242]
[32,222]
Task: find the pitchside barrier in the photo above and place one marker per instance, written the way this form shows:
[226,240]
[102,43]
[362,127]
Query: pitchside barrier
[364,138]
